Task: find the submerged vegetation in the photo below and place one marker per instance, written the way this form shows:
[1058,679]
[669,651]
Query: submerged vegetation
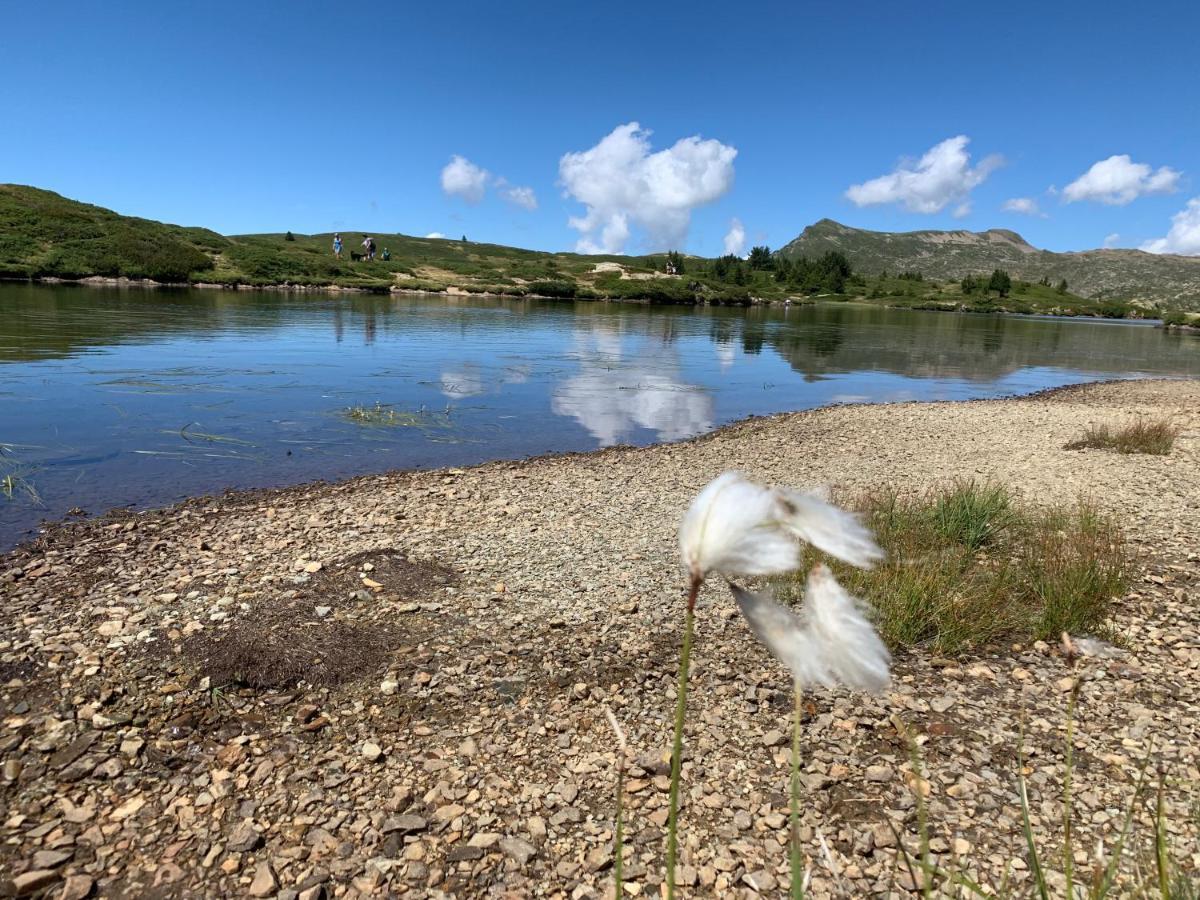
[382,415]
[44,235]
[1152,436]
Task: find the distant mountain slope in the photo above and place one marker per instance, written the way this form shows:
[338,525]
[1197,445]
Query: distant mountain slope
[1173,281]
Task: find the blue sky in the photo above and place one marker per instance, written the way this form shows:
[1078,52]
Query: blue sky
[315,116]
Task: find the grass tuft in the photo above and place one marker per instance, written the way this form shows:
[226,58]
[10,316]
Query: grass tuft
[1154,436]
[966,566]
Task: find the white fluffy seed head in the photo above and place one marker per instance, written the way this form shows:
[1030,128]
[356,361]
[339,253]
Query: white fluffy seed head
[831,642]
[740,528]
[830,529]
[734,527]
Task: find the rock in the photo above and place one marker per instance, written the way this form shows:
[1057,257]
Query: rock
[388,687]
[461,852]
[12,769]
[264,883]
[774,738]
[371,751]
[51,859]
[403,824]
[129,808]
[244,839]
[32,881]
[77,887]
[878,774]
[313,567]
[448,812]
[520,850]
[74,750]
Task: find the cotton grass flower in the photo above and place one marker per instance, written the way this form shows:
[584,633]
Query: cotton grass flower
[831,642]
[738,528]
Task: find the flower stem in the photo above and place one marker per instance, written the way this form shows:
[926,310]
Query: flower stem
[619,837]
[797,892]
[685,657]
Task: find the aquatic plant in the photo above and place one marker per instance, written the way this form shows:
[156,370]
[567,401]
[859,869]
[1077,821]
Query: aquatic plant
[738,528]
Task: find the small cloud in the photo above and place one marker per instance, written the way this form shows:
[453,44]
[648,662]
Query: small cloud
[1111,241]
[735,238]
[1184,236]
[942,176]
[523,197]
[962,210]
[462,178]
[1026,206]
[435,235]
[622,184]
[1118,180]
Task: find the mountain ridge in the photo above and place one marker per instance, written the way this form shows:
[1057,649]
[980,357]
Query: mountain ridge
[950,255]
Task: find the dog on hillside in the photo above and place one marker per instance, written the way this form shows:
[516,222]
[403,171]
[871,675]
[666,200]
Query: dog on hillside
[356,256]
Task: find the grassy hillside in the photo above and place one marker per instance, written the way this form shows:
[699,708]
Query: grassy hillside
[45,235]
[1170,281]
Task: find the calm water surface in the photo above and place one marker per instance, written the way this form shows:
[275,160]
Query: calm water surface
[115,398]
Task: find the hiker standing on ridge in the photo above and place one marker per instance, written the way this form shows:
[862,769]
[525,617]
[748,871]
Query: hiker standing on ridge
[337,246]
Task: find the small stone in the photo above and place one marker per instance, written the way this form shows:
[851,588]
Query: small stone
[774,738]
[878,774]
[322,611]
[244,839]
[77,887]
[941,704]
[313,567]
[264,883]
[388,687]
[129,808]
[34,880]
[520,850]
[448,812]
[12,769]
[50,859]
[371,751]
[403,824]
[463,852]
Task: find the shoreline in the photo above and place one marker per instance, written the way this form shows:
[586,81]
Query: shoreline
[50,530]
[483,618]
[122,282]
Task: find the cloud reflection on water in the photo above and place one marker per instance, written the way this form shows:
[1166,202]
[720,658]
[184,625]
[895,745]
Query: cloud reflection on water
[612,396]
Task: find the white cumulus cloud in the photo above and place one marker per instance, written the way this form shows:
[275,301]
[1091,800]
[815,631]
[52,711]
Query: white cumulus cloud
[1026,206]
[462,178]
[942,176]
[1184,236]
[1119,180]
[735,237]
[435,234]
[523,197]
[1111,240]
[624,185]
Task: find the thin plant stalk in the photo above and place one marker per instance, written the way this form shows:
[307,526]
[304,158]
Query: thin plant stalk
[1035,862]
[1160,845]
[1068,849]
[797,870]
[619,829]
[685,659]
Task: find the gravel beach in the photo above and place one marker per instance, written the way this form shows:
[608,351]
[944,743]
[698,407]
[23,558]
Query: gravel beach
[460,632]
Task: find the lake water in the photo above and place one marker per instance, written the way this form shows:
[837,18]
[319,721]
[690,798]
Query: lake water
[114,398]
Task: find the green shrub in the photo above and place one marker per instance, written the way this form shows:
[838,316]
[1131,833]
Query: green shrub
[564,290]
[966,566]
[1154,436]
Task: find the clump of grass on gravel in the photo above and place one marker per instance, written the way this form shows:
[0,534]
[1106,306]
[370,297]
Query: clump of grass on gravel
[967,566]
[1154,436]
